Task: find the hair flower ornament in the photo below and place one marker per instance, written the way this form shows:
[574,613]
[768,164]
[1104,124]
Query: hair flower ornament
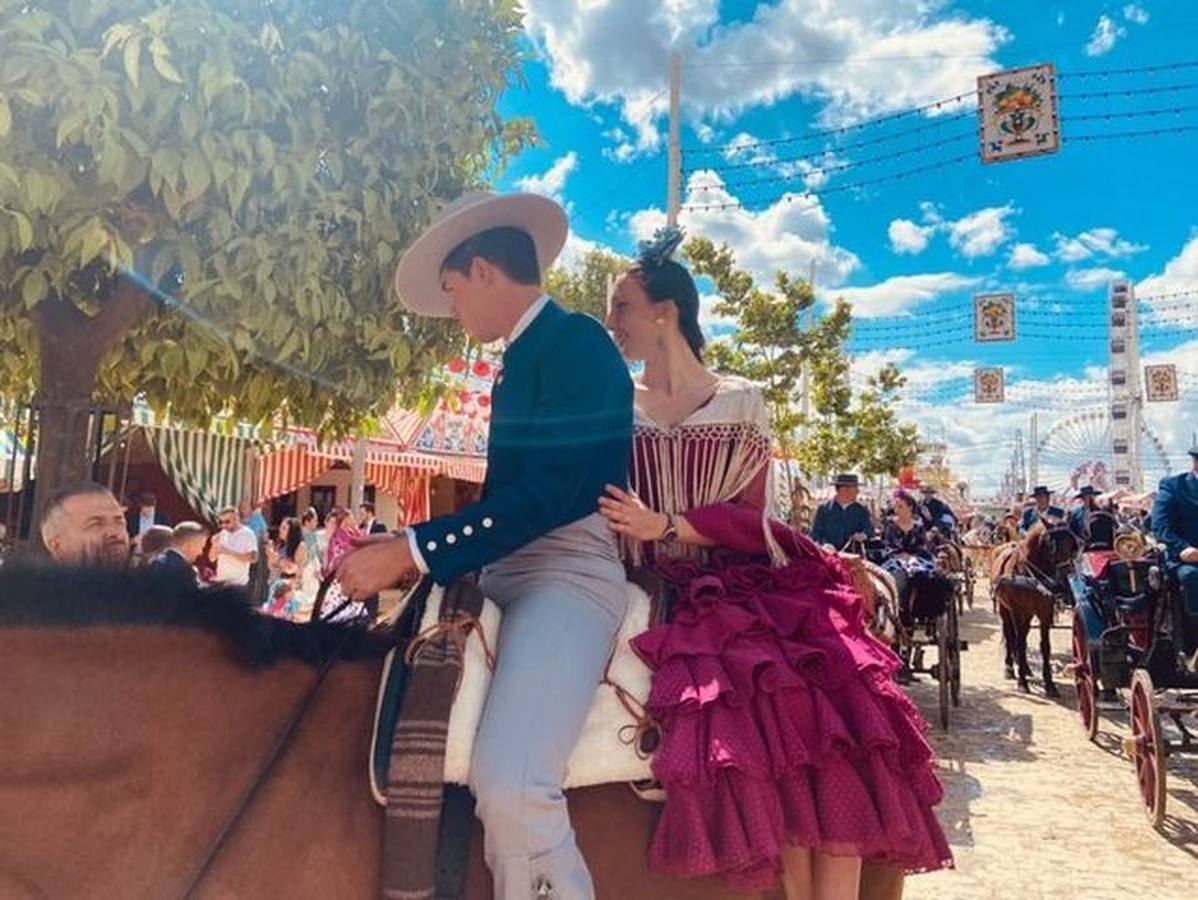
[662,245]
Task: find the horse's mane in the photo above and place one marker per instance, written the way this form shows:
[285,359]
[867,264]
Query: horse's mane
[45,596]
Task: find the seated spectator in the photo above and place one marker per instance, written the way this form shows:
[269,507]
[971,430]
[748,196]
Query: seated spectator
[83,525]
[282,602]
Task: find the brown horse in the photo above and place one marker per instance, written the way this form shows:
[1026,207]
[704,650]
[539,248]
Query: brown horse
[135,714]
[1026,577]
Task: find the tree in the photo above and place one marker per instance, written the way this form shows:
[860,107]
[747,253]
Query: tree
[203,202]
[585,288]
[842,431]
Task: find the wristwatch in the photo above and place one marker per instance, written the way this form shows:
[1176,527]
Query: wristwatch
[671,532]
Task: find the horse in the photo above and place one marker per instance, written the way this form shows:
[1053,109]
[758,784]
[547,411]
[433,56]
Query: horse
[1025,579]
[159,740]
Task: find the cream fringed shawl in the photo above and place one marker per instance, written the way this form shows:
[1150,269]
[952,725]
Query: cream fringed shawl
[713,456]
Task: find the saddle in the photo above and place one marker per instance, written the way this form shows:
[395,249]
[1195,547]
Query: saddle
[609,750]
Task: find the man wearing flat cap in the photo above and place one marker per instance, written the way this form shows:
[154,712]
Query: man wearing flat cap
[561,430]
[1175,524]
[842,520]
[1043,508]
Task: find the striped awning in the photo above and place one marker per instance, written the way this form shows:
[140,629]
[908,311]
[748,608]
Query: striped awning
[211,471]
[403,474]
[287,470]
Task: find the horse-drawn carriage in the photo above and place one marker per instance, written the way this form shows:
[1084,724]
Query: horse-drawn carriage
[930,618]
[1126,609]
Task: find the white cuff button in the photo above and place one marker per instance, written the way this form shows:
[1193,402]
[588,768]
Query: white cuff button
[451,539]
[467,530]
[431,546]
[488,522]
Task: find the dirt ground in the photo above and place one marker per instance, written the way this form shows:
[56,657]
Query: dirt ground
[1033,809]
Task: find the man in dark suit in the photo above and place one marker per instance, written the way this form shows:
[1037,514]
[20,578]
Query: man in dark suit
[1043,509]
[842,520]
[935,512]
[367,523]
[561,431]
[145,516]
[1175,524]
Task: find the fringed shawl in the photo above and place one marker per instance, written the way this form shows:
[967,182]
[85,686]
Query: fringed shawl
[713,456]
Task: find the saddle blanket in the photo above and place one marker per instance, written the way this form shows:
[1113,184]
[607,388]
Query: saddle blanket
[606,752]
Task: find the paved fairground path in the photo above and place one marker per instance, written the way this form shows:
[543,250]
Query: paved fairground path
[1035,810]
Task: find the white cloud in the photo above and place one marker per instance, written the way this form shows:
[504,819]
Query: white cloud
[1094,242]
[1106,35]
[787,235]
[1026,256]
[1137,15]
[908,237]
[552,182]
[1180,273]
[856,57]
[1091,279]
[903,292]
[981,233]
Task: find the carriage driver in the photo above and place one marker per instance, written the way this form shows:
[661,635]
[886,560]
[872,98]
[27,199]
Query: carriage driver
[1043,508]
[1175,523]
[561,430]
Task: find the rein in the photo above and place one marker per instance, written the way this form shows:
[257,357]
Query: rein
[266,768]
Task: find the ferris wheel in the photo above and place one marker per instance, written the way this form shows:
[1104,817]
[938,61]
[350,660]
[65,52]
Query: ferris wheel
[1077,451]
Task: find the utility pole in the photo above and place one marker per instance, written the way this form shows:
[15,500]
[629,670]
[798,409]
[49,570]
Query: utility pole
[674,200]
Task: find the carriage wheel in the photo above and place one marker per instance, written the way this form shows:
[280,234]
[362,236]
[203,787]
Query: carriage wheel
[943,668]
[1149,748]
[1083,679]
[954,657]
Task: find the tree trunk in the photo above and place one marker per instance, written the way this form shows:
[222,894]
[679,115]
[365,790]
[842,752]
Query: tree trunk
[71,346]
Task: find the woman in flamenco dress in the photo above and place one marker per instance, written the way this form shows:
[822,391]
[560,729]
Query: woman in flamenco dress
[788,754]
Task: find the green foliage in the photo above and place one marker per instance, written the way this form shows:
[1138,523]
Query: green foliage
[585,288]
[265,163]
[840,432]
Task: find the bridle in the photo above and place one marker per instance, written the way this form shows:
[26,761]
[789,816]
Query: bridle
[277,748]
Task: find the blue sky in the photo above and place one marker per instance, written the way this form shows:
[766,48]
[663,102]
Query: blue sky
[910,253]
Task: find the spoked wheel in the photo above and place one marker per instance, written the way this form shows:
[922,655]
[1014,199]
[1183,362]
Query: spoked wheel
[943,668]
[954,658]
[1084,680]
[1148,746]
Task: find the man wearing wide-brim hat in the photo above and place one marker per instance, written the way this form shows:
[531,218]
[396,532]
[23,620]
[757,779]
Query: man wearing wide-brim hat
[1082,520]
[842,520]
[1175,524]
[561,430]
[1042,508]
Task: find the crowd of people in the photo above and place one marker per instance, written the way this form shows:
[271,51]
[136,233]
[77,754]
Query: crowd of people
[281,569]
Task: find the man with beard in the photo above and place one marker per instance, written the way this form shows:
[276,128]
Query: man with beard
[83,525]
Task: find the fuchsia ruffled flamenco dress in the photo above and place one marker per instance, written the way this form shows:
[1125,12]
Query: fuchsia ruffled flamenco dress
[780,718]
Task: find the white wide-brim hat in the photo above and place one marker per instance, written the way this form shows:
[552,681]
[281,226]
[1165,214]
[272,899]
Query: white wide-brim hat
[418,275]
